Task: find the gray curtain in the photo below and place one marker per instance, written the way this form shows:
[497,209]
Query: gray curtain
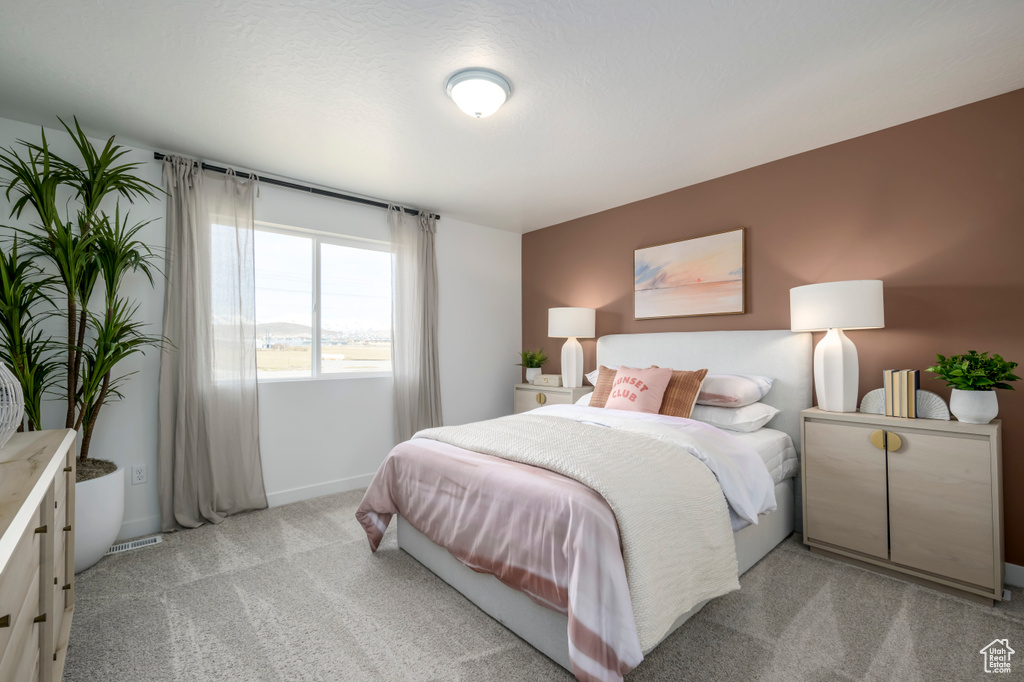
[209,454]
[414,353]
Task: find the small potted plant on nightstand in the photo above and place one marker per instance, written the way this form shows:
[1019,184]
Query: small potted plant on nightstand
[532,361]
[974,378]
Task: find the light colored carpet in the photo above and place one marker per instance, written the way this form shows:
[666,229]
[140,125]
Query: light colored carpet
[293,593]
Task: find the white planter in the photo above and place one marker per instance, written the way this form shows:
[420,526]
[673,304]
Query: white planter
[99,511]
[974,407]
[531,374]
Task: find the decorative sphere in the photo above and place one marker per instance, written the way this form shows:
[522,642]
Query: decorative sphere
[12,404]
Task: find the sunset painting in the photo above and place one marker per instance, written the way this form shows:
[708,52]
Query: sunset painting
[701,276]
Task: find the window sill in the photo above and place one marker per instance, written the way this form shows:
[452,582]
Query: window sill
[340,376]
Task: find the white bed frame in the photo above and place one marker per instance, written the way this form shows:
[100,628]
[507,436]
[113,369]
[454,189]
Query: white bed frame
[783,355]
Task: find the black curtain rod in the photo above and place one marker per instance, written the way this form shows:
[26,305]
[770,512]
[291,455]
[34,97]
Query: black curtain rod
[302,188]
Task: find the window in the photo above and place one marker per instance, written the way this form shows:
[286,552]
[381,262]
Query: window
[323,305]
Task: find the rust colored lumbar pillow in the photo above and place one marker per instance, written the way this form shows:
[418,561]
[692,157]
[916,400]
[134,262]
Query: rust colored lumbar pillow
[602,387]
[638,390]
[681,393]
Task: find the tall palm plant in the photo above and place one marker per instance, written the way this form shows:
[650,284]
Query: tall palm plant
[91,247]
[24,346]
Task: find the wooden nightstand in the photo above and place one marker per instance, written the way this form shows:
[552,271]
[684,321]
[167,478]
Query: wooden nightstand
[919,497]
[529,397]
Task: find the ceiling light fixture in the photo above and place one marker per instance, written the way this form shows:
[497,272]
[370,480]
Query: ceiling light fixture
[478,92]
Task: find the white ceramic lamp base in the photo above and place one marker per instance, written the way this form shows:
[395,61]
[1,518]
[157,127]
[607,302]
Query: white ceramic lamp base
[836,372]
[572,363]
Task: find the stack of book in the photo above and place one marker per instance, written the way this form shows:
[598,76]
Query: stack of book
[901,386]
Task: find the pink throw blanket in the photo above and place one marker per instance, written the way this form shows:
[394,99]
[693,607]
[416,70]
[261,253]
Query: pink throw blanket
[536,531]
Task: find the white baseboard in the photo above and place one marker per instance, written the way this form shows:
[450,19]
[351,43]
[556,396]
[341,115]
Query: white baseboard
[1014,575]
[276,499]
[134,528]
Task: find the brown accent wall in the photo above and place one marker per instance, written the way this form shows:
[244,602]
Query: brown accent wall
[934,208]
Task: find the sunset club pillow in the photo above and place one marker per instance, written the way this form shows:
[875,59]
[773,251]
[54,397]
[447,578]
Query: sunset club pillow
[733,390]
[681,393]
[639,390]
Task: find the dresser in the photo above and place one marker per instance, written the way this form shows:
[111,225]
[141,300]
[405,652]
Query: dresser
[917,497]
[528,397]
[37,554]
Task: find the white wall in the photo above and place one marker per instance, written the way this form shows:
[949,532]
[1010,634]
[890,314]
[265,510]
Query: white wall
[480,274]
[327,435]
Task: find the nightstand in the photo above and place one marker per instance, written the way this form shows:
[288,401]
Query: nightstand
[916,497]
[529,397]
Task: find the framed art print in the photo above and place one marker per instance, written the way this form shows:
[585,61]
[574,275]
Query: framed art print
[699,276]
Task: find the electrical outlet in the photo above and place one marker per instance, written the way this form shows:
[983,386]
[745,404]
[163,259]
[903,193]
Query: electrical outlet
[139,474]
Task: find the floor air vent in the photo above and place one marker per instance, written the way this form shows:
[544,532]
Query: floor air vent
[134,544]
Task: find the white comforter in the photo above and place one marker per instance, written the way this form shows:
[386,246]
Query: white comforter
[633,521]
[745,480]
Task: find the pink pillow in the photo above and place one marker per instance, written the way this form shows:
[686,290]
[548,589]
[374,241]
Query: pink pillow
[639,390]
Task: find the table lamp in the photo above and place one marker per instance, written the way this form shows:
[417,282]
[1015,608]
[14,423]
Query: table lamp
[833,307]
[571,324]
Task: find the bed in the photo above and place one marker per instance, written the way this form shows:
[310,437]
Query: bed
[783,355]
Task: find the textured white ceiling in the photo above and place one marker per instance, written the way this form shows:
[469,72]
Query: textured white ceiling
[612,101]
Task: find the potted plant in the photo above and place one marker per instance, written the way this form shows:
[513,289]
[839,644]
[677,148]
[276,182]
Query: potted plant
[24,346]
[90,253]
[532,360]
[974,378]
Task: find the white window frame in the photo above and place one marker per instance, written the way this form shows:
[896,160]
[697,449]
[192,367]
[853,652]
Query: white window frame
[318,237]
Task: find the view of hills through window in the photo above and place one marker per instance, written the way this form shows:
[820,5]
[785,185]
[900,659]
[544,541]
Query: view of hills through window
[354,307]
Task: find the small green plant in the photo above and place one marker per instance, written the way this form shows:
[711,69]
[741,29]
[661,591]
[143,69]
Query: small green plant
[532,359]
[975,371]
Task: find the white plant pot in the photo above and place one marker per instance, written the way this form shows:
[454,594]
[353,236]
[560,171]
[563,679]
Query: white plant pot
[99,511]
[974,407]
[531,374]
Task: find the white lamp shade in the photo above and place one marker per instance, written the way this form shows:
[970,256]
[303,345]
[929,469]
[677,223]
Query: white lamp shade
[855,304]
[571,322]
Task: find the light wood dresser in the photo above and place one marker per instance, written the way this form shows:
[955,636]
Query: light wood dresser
[529,397]
[918,497]
[37,554]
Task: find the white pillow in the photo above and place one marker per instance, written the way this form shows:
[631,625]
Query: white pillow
[746,419]
[733,390]
[585,400]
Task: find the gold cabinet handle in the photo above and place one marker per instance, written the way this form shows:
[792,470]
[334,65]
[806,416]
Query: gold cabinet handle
[893,443]
[541,398]
[878,439]
[41,529]
[5,621]
[40,618]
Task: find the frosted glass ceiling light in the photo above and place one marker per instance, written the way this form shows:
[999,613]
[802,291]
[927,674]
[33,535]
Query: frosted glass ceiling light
[478,92]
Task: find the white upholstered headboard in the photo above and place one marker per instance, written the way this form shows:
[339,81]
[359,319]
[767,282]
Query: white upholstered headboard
[781,354]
